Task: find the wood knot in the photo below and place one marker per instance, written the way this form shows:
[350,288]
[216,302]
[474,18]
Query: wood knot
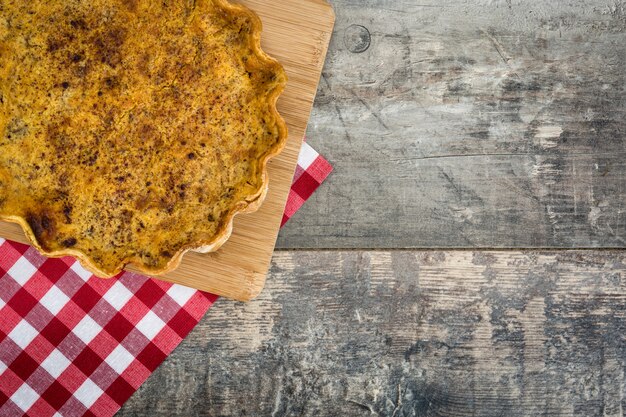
[357,39]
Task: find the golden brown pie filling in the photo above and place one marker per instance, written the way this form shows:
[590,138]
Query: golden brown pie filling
[133,130]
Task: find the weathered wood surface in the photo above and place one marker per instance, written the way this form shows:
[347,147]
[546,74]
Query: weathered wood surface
[482,123]
[400,333]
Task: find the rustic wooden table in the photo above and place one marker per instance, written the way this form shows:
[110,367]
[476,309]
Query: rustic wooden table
[459,260]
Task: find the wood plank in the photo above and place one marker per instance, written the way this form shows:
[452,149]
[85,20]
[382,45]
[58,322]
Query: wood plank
[296,32]
[408,333]
[470,124]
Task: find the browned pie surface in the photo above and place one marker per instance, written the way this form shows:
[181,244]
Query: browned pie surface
[132,130]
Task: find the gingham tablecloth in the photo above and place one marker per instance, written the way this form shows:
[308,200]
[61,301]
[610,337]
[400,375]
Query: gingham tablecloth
[72,344]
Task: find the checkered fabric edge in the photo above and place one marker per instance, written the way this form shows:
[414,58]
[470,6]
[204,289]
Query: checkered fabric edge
[311,171]
[72,344]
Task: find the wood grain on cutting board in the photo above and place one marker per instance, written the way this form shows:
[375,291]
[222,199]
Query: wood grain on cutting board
[297,33]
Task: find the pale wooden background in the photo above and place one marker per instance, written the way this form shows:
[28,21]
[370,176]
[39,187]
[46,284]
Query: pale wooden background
[495,124]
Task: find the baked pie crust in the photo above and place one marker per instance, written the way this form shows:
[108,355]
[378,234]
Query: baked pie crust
[132,131]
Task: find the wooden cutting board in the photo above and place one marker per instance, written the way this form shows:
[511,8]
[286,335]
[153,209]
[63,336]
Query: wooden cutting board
[297,33]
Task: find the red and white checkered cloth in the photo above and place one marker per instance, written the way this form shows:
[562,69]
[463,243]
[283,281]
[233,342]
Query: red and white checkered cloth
[72,344]
[311,171]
